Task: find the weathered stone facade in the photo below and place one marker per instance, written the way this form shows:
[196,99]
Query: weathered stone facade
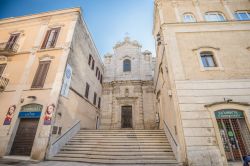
[191,93]
[25,108]
[128,88]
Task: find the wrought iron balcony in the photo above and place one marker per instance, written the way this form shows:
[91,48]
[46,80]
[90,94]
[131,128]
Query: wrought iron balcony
[8,48]
[3,83]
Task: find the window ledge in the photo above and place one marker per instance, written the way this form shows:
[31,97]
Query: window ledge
[211,68]
[49,49]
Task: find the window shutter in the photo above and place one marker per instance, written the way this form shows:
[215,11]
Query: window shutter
[41,74]
[93,64]
[90,57]
[55,37]
[99,103]
[12,40]
[2,67]
[46,39]
[87,90]
[95,95]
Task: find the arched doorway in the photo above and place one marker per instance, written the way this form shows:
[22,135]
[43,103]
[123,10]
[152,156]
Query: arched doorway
[29,117]
[234,133]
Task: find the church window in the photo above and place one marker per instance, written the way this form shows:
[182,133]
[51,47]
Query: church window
[126,65]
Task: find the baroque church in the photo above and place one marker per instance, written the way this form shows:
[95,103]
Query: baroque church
[128,100]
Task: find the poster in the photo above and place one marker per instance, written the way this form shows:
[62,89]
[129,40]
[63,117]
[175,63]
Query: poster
[48,114]
[9,115]
[66,81]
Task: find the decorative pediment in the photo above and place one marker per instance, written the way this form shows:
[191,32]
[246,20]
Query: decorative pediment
[3,59]
[46,58]
[127,41]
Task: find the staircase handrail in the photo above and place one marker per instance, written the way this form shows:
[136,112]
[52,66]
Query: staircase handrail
[65,132]
[57,144]
[172,137]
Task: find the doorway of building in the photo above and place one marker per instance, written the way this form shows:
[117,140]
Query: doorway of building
[234,133]
[25,136]
[126,117]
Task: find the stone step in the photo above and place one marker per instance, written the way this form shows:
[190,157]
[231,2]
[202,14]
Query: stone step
[117,143]
[119,139]
[111,157]
[103,161]
[122,134]
[124,137]
[115,130]
[82,149]
[119,147]
[118,153]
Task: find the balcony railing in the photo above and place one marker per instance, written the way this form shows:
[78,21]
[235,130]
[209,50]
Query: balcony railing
[3,83]
[8,48]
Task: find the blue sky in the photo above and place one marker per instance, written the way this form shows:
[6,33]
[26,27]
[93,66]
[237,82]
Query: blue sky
[108,20]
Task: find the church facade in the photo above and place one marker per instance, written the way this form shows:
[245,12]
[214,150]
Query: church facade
[128,88]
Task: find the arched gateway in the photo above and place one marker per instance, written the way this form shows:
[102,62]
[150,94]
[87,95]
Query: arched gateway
[234,133]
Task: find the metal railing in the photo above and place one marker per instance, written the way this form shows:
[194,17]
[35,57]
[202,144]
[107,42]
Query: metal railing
[8,48]
[56,145]
[172,137]
[3,83]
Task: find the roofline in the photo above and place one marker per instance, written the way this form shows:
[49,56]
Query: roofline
[42,14]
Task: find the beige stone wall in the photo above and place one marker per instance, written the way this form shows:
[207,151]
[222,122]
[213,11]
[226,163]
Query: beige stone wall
[192,86]
[76,106]
[21,68]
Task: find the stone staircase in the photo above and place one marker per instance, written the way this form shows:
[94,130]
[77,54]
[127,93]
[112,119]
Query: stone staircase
[118,147]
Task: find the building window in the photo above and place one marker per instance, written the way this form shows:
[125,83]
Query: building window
[97,70]
[207,59]
[94,101]
[41,74]
[188,17]
[11,44]
[242,15]
[90,59]
[101,79]
[87,90]
[214,16]
[99,74]
[99,102]
[126,65]
[50,38]
[93,64]
[2,67]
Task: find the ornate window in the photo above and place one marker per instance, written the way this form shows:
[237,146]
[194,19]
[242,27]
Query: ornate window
[126,65]
[50,38]
[214,16]
[208,58]
[188,17]
[242,15]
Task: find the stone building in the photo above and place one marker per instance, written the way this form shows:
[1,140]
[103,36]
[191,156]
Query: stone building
[202,78]
[50,78]
[128,88]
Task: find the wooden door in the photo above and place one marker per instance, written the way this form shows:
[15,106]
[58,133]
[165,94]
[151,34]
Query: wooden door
[126,118]
[24,138]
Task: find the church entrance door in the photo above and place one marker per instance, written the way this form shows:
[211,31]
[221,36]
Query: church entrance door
[126,118]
